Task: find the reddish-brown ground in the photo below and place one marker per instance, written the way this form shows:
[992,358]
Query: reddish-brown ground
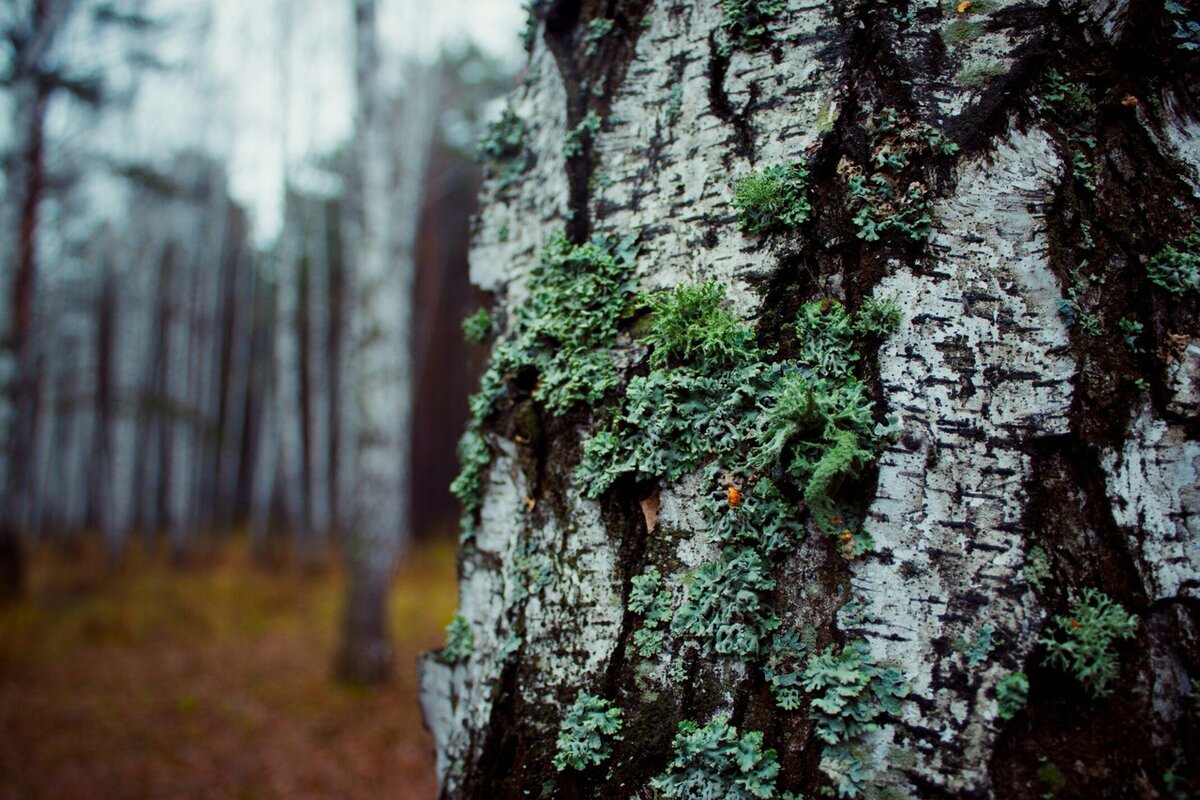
[208,683]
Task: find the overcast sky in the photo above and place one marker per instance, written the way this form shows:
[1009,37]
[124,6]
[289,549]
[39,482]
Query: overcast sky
[263,63]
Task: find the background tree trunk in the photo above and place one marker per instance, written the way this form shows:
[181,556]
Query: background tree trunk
[394,128]
[1032,413]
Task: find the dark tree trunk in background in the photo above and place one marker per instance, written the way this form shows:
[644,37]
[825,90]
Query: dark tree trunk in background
[32,39]
[1044,378]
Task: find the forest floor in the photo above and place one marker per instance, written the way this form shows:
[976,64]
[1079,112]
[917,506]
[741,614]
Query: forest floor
[210,682]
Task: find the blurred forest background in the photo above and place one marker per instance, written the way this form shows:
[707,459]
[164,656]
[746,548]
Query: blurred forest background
[232,376]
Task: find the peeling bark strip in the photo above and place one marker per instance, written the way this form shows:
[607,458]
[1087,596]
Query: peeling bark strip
[1044,378]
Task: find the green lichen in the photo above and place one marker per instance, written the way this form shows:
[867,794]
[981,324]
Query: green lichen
[878,317]
[1083,170]
[888,195]
[478,326]
[726,603]
[577,138]
[502,147]
[529,31]
[460,641]
[1187,27]
[817,422]
[505,137]
[962,30]
[978,647]
[565,330]
[746,22]
[562,334]
[1082,641]
[691,325]
[1177,268]
[850,691]
[784,670]
[1074,314]
[1011,693]
[1037,567]
[1070,102]
[596,30]
[474,456]
[1131,334]
[975,76]
[772,199]
[648,598]
[713,761]
[710,398]
[761,434]
[587,732]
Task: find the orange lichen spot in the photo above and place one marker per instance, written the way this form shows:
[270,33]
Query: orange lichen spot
[735,497]
[529,503]
[1129,101]
[1075,623]
[519,439]
[835,519]
[963,7]
[846,536]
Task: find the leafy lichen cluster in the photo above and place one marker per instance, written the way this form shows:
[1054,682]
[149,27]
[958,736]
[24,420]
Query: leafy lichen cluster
[771,440]
[586,734]
[562,336]
[883,196]
[1011,693]
[851,691]
[1176,268]
[505,137]
[1072,106]
[502,147]
[776,197]
[1082,641]
[746,22]
[460,641]
[477,326]
[713,761]
[648,598]
[577,138]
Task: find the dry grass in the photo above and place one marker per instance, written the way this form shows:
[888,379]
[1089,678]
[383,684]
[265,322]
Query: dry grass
[212,682]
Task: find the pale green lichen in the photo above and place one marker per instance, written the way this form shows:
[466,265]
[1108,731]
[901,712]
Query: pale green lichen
[478,326]
[474,456]
[887,195]
[713,761]
[850,692]
[1176,268]
[460,641]
[746,22]
[587,732]
[1011,694]
[648,598]
[784,670]
[578,137]
[1082,641]
[776,197]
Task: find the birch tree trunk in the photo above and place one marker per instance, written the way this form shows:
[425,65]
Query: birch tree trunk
[394,128]
[1009,174]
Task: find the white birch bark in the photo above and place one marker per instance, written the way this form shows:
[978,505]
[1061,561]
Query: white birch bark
[1018,429]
